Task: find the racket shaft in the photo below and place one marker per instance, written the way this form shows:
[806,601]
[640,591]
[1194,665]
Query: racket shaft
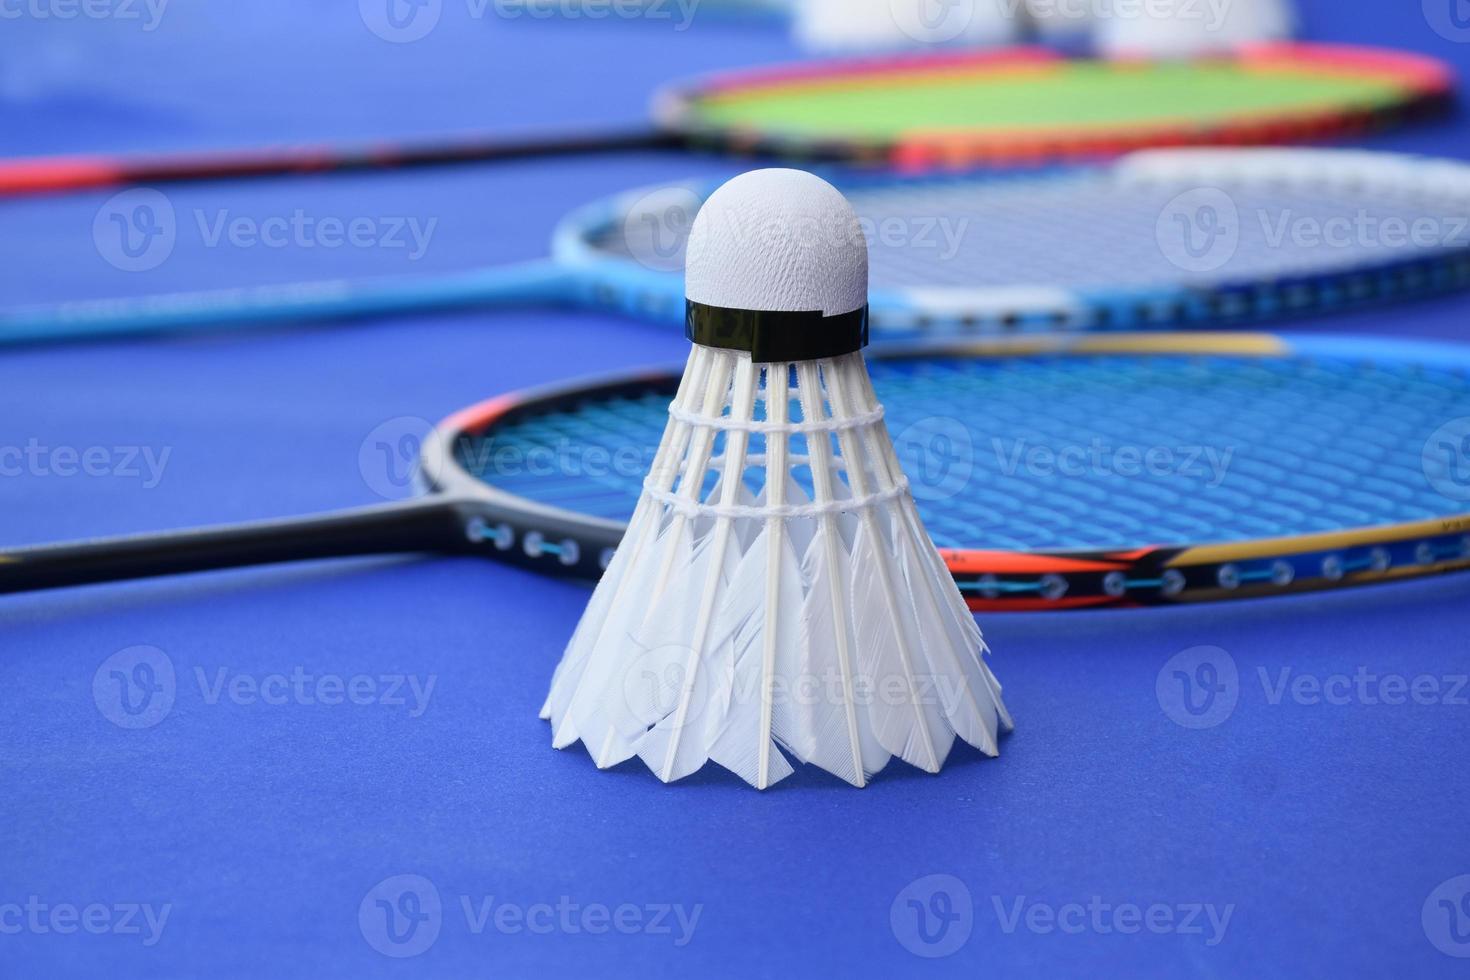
[528,284]
[42,175]
[432,524]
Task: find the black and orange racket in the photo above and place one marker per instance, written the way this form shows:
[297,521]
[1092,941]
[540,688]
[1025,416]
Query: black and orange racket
[1053,473]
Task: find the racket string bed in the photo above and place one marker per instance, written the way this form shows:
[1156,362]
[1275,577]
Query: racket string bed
[1259,448]
[1160,237]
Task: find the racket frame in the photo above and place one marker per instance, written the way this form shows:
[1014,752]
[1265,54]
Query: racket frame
[1427,87]
[622,285]
[463,515]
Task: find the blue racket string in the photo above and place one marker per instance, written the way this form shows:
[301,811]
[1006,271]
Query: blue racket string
[1023,453]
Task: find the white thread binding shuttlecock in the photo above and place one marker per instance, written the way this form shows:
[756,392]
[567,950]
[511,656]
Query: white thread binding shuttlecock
[1187,28]
[836,26]
[743,620]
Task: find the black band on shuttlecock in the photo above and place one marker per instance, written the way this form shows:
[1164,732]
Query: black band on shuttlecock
[771,336]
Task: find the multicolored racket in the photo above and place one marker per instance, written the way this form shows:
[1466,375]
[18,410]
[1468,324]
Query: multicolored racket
[1163,237]
[1019,106]
[1054,473]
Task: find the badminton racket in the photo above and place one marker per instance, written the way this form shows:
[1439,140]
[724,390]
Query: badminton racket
[1162,237]
[917,113]
[1086,471]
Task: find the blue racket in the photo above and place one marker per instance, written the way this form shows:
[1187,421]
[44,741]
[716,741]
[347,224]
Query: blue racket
[1161,238]
[1053,473]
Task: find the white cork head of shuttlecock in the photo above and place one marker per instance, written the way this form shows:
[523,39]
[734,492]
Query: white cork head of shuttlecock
[778,266]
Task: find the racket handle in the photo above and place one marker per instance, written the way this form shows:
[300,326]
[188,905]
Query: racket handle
[528,284]
[427,525]
[43,175]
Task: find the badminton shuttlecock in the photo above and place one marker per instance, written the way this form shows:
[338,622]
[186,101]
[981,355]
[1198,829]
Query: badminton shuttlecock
[776,594]
[835,26]
[1188,28]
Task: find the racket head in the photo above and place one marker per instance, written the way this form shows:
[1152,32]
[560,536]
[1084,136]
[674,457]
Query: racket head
[1124,245]
[1065,472]
[1030,105]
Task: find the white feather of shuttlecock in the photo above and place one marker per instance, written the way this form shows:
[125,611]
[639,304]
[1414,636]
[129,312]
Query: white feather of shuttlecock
[745,626]
[836,26]
[1189,28]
